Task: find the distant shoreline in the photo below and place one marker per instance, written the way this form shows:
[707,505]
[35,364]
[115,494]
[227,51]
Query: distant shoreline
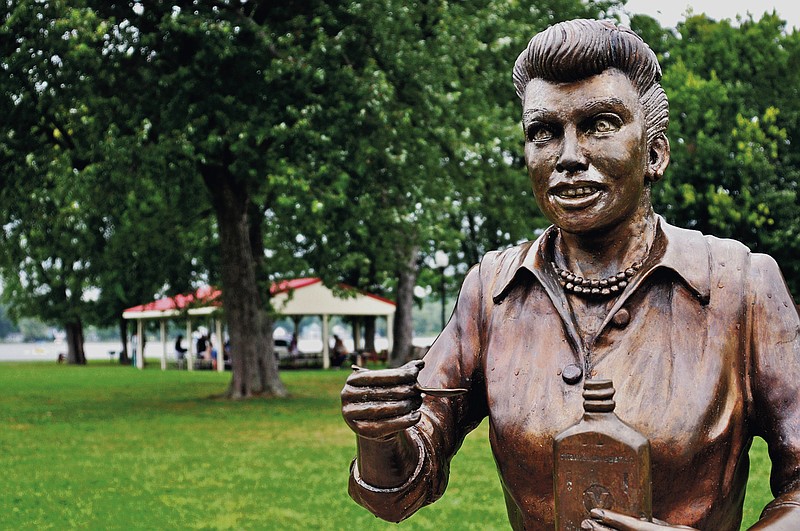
[99,350]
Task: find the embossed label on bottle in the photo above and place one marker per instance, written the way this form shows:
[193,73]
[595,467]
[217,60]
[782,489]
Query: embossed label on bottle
[597,497]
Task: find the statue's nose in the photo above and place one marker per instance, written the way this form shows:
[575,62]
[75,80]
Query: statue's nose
[572,158]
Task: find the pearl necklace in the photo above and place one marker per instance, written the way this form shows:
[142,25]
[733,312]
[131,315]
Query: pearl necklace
[595,287]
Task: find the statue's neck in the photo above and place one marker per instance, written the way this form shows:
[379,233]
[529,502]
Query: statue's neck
[604,253]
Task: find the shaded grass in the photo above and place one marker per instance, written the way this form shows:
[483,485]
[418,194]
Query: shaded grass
[109,447]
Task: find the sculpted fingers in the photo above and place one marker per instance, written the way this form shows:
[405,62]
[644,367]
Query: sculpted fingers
[604,519]
[591,525]
[380,410]
[620,522]
[407,374]
[379,413]
[379,403]
[384,428]
[378,394]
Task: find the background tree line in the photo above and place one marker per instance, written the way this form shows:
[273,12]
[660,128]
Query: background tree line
[148,147]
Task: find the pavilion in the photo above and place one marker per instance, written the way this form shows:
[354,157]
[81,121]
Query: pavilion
[295,298]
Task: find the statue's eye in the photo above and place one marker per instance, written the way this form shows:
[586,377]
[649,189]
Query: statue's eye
[604,124]
[538,132]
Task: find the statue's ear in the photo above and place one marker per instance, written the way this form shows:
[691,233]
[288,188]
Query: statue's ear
[657,158]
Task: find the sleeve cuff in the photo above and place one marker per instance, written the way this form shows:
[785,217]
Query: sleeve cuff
[397,503]
[407,484]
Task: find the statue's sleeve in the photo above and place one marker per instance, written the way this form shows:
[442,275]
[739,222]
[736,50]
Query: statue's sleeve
[452,361]
[775,388]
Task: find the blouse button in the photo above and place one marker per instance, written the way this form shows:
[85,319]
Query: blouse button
[572,374]
[621,318]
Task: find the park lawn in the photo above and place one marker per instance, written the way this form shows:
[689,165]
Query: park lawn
[110,447]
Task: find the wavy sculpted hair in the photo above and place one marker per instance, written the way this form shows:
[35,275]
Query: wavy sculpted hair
[577,49]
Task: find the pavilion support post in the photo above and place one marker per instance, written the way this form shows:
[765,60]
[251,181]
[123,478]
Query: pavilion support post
[357,340]
[220,347]
[139,344]
[357,333]
[326,354]
[190,352]
[163,345]
[389,334]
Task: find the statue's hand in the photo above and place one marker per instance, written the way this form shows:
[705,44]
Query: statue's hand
[378,404]
[605,520]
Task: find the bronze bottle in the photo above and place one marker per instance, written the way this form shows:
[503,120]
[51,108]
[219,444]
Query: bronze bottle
[600,462]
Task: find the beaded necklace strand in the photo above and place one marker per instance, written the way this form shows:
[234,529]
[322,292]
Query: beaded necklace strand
[604,287]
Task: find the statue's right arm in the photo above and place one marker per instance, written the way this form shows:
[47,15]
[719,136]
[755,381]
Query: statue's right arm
[405,440]
[775,383]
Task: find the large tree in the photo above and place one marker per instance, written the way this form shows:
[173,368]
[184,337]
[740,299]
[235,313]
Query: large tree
[214,81]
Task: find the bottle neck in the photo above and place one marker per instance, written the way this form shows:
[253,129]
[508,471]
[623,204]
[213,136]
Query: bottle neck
[599,406]
[598,397]
[594,416]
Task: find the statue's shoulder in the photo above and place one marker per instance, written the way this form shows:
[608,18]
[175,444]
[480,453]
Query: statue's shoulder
[727,258]
[499,268]
[501,262]
[717,248]
[517,253]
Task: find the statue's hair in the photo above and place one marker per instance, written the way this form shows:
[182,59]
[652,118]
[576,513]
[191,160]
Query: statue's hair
[577,49]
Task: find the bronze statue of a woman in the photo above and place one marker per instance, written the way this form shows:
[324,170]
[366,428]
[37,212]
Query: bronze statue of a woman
[699,335]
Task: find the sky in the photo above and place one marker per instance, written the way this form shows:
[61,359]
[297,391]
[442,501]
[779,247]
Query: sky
[670,12]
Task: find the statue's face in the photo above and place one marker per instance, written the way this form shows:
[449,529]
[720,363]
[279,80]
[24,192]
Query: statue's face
[586,150]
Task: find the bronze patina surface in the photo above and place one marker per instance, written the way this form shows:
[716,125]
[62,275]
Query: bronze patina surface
[700,337]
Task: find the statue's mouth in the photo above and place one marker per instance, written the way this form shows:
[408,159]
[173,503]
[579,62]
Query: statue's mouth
[574,196]
[579,192]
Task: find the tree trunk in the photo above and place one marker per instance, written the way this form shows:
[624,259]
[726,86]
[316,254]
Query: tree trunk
[272,380]
[124,359]
[254,371]
[403,326]
[75,353]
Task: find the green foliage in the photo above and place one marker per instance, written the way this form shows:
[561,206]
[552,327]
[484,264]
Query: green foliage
[46,238]
[98,217]
[110,447]
[734,118]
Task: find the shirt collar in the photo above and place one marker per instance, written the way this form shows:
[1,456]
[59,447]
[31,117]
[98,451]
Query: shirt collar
[683,251]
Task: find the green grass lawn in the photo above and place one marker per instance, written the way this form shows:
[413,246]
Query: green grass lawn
[110,447]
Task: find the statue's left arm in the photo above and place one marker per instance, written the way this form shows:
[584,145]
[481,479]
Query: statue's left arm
[774,367]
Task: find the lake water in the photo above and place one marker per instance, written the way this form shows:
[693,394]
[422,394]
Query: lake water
[49,351]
